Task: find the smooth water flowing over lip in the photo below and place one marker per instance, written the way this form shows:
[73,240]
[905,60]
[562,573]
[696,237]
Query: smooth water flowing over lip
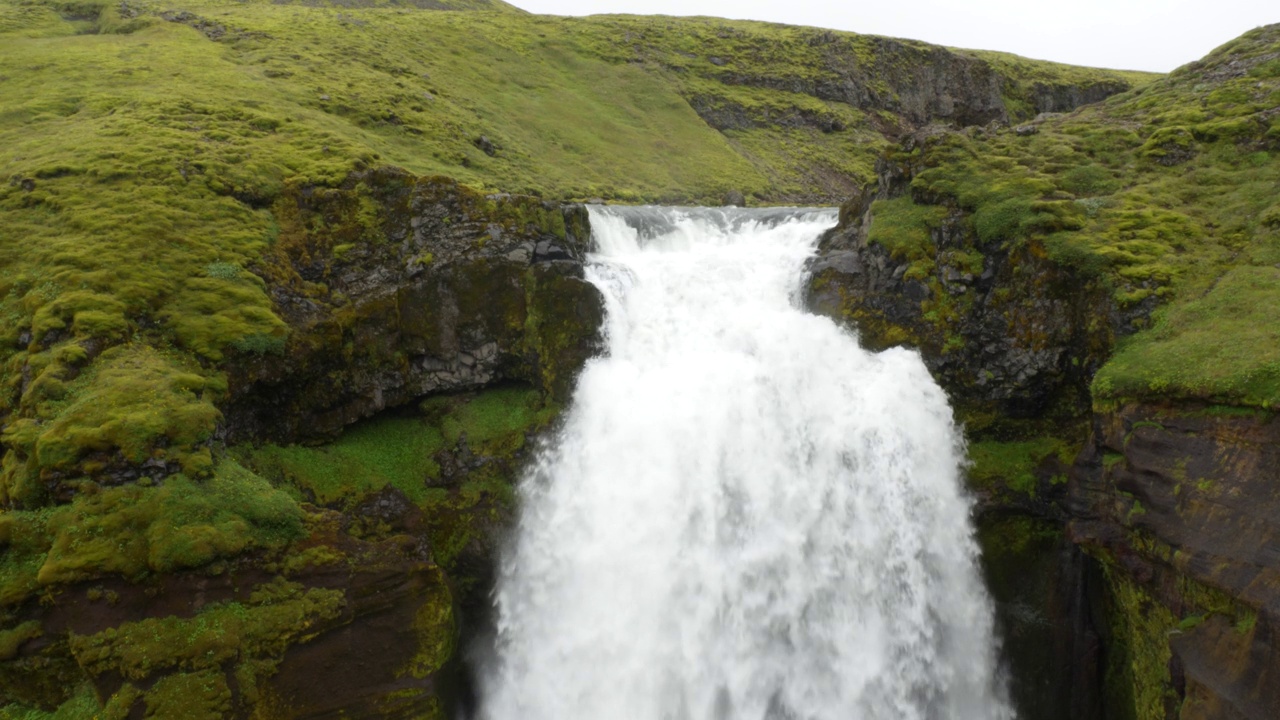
[745,516]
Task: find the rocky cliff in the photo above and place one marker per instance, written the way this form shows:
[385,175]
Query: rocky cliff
[1092,312]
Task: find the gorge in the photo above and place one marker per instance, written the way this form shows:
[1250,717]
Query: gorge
[294,293]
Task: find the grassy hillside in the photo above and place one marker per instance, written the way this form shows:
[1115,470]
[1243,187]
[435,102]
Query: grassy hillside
[1170,194]
[143,145]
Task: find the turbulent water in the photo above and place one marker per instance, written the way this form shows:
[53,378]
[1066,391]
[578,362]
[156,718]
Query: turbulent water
[746,515]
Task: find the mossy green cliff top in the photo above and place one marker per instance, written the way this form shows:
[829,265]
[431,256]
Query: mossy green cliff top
[1166,199]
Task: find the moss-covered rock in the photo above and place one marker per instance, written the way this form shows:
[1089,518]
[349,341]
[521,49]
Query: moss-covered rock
[397,286]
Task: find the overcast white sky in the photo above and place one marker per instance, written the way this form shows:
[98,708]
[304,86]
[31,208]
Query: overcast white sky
[1154,35]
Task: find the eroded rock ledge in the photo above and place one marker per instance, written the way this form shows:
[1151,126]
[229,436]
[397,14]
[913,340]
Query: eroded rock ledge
[396,286]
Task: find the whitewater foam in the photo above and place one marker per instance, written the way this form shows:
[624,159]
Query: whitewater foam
[745,515]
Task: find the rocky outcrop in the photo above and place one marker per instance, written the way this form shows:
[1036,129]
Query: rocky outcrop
[919,83]
[1179,505]
[1146,582]
[344,596]
[396,286]
[1004,329]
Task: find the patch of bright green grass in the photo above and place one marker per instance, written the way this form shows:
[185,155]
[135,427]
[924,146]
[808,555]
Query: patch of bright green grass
[1223,347]
[401,452]
[1013,464]
[903,227]
[396,452]
[495,421]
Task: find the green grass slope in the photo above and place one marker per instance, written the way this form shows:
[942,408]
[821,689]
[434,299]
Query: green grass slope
[1169,193]
[143,145]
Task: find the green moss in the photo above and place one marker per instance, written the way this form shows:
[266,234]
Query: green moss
[83,705]
[120,704]
[405,453]
[181,524]
[276,616]
[996,465]
[190,696]
[1163,194]
[493,422]
[396,452]
[135,404]
[1138,675]
[25,540]
[1143,618]
[434,631]
[1185,355]
[1008,541]
[11,640]
[903,227]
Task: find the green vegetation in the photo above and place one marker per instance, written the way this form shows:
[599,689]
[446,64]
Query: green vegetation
[188,655]
[82,706]
[491,427]
[401,452]
[1186,353]
[903,227]
[134,405]
[181,524]
[138,529]
[145,212]
[1013,465]
[275,616]
[1138,677]
[395,452]
[1165,195]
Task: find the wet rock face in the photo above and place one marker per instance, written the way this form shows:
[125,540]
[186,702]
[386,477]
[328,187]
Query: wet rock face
[396,287]
[1040,583]
[1015,334]
[1180,504]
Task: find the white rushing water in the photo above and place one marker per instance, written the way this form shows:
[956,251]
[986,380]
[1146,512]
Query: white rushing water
[746,516]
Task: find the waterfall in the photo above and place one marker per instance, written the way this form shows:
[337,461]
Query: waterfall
[745,516]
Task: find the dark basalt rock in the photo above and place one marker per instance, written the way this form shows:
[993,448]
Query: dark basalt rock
[1181,501]
[397,286]
[1026,337]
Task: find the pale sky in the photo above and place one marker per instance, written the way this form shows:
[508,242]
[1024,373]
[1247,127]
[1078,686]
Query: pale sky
[1154,35]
